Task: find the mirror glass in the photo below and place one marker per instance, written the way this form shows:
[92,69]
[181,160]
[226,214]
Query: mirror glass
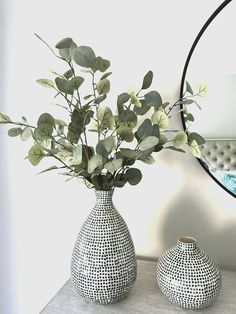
[213,64]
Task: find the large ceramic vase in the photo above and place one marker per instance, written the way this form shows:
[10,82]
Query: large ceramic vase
[103,268]
[188,276]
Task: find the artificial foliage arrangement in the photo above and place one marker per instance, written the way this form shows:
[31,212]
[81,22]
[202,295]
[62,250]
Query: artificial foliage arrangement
[138,129]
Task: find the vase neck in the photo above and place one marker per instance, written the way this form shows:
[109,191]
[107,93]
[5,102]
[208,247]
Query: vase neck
[104,197]
[187,244]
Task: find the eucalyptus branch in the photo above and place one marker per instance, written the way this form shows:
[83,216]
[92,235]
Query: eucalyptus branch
[19,124]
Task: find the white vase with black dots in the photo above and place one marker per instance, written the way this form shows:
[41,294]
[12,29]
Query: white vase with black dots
[187,276]
[104,267]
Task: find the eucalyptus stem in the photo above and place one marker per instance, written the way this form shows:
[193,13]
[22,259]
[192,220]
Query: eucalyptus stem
[97,105]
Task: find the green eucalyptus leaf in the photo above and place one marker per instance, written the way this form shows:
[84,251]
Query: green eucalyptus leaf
[129,153]
[179,139]
[128,117]
[153,99]
[62,85]
[197,137]
[113,165]
[133,176]
[48,169]
[175,149]
[161,119]
[36,154]
[147,80]
[122,99]
[148,142]
[101,64]
[193,145]
[46,83]
[60,122]
[101,150]
[64,43]
[74,83]
[46,118]
[105,75]
[78,154]
[189,117]
[94,162]
[4,118]
[189,88]
[186,102]
[68,74]
[148,160]
[125,133]
[120,180]
[74,133]
[145,129]
[103,86]
[104,113]
[143,109]
[100,99]
[109,143]
[13,132]
[26,133]
[84,56]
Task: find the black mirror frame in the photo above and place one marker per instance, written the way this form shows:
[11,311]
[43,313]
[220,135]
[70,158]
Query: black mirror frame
[183,79]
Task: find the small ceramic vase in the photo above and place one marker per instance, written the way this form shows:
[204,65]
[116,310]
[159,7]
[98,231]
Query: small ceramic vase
[187,276]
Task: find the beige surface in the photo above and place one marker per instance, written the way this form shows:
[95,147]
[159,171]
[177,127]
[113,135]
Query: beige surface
[145,297]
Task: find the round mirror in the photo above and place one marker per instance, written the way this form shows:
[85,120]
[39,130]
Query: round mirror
[212,63]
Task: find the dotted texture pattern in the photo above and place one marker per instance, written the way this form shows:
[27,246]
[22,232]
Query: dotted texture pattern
[103,268]
[188,277]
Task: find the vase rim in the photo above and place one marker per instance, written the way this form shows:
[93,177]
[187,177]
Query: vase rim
[186,240]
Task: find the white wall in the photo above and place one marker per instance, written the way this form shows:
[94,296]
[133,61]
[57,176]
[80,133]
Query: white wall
[213,63]
[175,196]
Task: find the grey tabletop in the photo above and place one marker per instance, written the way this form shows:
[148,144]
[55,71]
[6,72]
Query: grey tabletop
[145,297]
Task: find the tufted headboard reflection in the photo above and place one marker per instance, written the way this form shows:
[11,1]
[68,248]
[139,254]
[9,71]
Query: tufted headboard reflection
[219,154]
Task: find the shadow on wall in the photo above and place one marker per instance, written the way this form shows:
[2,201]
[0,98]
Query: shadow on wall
[187,216]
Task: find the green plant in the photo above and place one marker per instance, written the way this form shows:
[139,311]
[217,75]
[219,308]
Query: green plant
[122,139]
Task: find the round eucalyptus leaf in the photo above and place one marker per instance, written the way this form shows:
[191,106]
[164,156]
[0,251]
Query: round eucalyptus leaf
[94,162]
[145,129]
[161,119]
[64,43]
[46,118]
[122,98]
[143,109]
[84,56]
[193,145]
[179,139]
[101,64]
[103,86]
[13,132]
[109,143]
[153,99]
[26,134]
[197,137]
[113,165]
[148,142]
[104,113]
[36,154]
[74,83]
[133,176]
[62,85]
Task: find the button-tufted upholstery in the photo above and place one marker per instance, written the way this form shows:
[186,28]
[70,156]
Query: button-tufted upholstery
[219,154]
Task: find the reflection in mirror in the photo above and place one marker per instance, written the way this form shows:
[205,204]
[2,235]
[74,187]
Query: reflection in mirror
[214,61]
